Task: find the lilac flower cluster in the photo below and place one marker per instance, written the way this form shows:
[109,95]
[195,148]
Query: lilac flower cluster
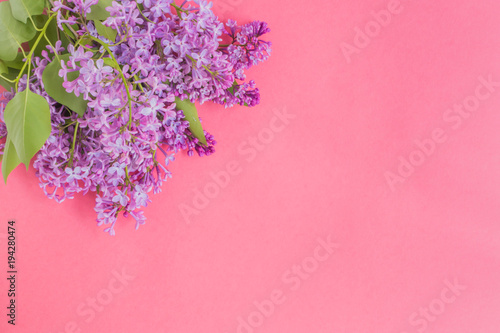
[179,46]
[120,148]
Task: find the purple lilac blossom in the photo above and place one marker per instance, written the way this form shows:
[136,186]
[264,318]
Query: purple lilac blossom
[131,130]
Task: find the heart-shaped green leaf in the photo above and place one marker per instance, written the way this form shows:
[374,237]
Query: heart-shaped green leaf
[10,159]
[191,115]
[12,33]
[22,9]
[53,86]
[27,117]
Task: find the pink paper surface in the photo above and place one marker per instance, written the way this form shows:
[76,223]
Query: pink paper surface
[324,225]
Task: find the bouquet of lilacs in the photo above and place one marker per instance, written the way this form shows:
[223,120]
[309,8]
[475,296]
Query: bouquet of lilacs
[101,93]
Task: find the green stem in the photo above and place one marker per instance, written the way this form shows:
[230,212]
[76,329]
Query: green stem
[70,163]
[139,84]
[55,53]
[204,66]
[178,9]
[6,79]
[68,125]
[28,57]
[140,11]
[22,51]
[125,82]
[34,25]
[28,77]
[127,177]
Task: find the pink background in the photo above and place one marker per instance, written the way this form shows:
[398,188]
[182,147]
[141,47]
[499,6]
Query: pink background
[323,174]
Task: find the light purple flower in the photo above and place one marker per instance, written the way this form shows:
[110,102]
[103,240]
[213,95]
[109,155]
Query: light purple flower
[120,198]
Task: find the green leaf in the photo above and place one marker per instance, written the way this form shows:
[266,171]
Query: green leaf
[27,117]
[10,70]
[16,63]
[86,41]
[104,31]
[3,68]
[111,63]
[12,33]
[191,115]
[53,86]
[22,9]
[98,11]
[10,159]
[13,73]
[68,32]
[231,89]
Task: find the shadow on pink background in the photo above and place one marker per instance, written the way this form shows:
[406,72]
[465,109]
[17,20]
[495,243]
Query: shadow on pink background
[372,207]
